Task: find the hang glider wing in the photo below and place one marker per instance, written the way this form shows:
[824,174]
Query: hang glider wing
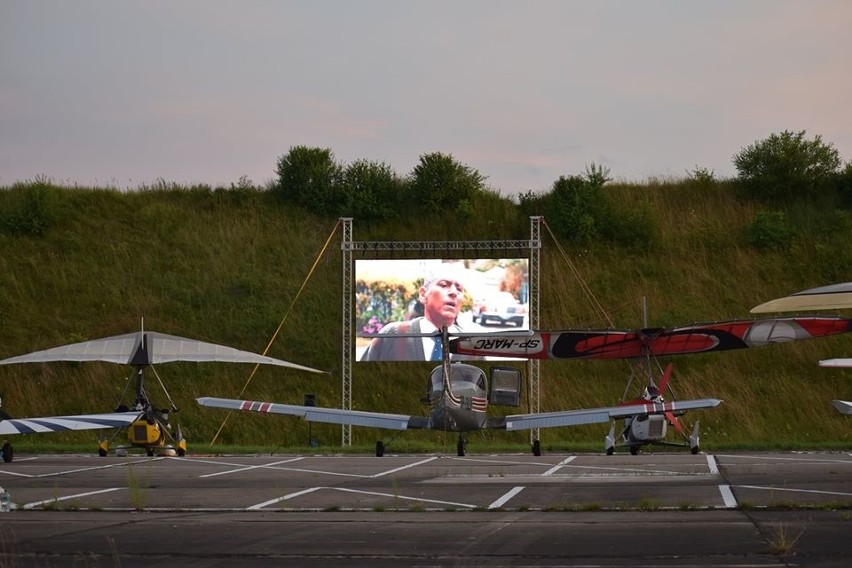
[66,423]
[321,414]
[833,297]
[842,406]
[148,348]
[626,344]
[596,415]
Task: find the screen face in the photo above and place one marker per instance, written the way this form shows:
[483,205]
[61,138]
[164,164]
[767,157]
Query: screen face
[414,296]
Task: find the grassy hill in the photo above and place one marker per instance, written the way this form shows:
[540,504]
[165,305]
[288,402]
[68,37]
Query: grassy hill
[231,266]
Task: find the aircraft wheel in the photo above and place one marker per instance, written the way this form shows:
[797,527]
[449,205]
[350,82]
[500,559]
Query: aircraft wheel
[610,451]
[380,449]
[181,452]
[8,452]
[694,450]
[536,447]
[102,452]
[634,450]
[460,447]
[150,452]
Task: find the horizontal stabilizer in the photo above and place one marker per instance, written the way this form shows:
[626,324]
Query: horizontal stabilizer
[321,414]
[842,406]
[66,423]
[836,363]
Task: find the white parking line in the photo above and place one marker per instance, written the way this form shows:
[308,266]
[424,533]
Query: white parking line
[415,464]
[502,500]
[282,498]
[403,497]
[57,499]
[711,463]
[346,490]
[817,491]
[728,496]
[249,467]
[558,466]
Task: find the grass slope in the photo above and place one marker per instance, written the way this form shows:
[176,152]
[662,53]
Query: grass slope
[232,266]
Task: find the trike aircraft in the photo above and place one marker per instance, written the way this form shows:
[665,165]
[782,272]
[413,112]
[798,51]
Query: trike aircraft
[149,427]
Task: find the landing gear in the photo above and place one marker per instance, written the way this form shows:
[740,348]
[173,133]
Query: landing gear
[536,447]
[634,450]
[380,449]
[8,452]
[460,446]
[694,439]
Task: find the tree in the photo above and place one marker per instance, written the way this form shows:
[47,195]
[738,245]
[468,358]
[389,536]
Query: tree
[440,183]
[787,166]
[372,190]
[309,177]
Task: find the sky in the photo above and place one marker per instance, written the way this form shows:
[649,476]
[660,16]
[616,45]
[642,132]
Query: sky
[131,93]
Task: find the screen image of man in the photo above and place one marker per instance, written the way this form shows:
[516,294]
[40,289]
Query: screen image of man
[441,297]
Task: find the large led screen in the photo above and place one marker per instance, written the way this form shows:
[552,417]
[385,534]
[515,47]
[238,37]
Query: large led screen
[415,297]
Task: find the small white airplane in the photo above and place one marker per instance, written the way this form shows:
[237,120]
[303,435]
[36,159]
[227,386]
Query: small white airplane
[459,395]
[832,297]
[149,427]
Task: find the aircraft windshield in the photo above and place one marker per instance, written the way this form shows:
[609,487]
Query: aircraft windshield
[459,373]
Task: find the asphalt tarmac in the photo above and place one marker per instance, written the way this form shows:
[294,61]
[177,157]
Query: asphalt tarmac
[654,509]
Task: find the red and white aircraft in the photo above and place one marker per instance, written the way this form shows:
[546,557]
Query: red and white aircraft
[643,346]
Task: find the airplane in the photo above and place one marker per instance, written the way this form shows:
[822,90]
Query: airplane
[149,427]
[643,346]
[459,396]
[831,297]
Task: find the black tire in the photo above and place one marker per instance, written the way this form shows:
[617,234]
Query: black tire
[150,452]
[380,449]
[536,447]
[102,452]
[694,450]
[8,452]
[610,451]
[634,450]
[460,447]
[181,452]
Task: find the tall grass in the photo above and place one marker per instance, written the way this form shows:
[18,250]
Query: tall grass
[227,266]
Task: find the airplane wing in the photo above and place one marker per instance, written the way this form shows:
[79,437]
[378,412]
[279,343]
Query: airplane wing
[148,348]
[842,406]
[321,414]
[595,415]
[626,344]
[833,297]
[65,423]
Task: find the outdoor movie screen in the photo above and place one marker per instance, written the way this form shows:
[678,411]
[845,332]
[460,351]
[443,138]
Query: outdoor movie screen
[418,296]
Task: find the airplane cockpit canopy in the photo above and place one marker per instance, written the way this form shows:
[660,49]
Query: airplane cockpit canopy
[459,373]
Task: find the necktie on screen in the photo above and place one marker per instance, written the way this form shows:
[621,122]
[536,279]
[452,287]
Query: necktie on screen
[437,351]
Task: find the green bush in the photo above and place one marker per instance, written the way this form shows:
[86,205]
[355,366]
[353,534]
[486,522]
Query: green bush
[770,231]
[787,166]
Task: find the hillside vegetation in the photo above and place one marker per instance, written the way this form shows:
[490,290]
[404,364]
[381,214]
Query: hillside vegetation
[230,265]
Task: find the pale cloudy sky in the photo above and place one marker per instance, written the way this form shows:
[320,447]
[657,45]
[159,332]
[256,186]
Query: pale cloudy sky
[122,93]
